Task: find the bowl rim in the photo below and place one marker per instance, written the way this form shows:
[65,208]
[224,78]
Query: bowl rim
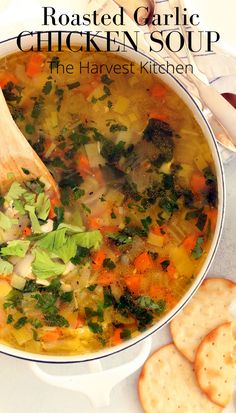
[185,95]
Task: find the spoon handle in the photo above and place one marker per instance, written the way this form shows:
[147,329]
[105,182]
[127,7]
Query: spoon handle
[16,154]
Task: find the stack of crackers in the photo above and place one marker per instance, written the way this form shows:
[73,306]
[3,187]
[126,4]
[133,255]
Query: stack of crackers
[195,373]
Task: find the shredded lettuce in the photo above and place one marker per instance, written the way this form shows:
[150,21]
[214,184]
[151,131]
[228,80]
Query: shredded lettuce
[6,222]
[71,229]
[19,206]
[53,240]
[15,192]
[5,267]
[91,239]
[43,206]
[36,229]
[17,248]
[67,251]
[44,267]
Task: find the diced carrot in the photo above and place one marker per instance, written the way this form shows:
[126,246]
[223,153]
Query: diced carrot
[83,165]
[99,176]
[212,216]
[157,115]
[6,278]
[80,321]
[35,64]
[27,232]
[53,203]
[116,338]
[158,91]
[171,271]
[7,78]
[106,278]
[88,88]
[170,299]
[109,228]
[98,259]
[198,182]
[156,292]
[133,283]
[190,242]
[93,222]
[143,262]
[52,335]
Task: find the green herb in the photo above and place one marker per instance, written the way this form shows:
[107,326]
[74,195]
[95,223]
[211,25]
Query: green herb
[30,129]
[37,108]
[129,306]
[16,248]
[169,205]
[13,300]
[35,322]
[95,327]
[73,85]
[81,255]
[201,222]
[92,287]
[67,296]
[106,80]
[59,94]
[118,127]
[112,152]
[20,323]
[108,263]
[26,171]
[165,264]
[113,215]
[125,334]
[193,214]
[157,306]
[146,222]
[56,320]
[129,188]
[127,220]
[57,162]
[120,238]
[47,87]
[86,208]
[59,211]
[70,179]
[100,312]
[109,104]
[198,251]
[12,93]
[39,145]
[78,193]
[9,319]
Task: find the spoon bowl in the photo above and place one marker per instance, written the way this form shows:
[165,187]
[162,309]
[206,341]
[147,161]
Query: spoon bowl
[18,161]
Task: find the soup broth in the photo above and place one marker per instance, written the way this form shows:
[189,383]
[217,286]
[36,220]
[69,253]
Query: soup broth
[137,212]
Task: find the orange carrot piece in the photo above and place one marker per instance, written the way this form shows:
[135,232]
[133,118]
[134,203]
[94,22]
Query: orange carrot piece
[133,283]
[198,182]
[52,335]
[190,242]
[34,65]
[212,216]
[171,271]
[109,228]
[83,165]
[27,231]
[6,278]
[156,292]
[88,88]
[143,262]
[93,222]
[158,91]
[98,259]
[80,321]
[116,338]
[53,203]
[7,78]
[157,115]
[106,278]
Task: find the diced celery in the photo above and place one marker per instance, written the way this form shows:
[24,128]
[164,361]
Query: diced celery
[121,105]
[156,240]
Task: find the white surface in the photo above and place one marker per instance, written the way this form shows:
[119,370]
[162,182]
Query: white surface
[21,391]
[217,16]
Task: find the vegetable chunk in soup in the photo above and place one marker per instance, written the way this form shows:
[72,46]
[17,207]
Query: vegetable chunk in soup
[137,212]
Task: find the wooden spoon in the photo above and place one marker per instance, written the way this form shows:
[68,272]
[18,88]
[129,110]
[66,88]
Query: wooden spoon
[16,154]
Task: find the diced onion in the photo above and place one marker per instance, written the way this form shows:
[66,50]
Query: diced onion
[18,282]
[93,154]
[156,240]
